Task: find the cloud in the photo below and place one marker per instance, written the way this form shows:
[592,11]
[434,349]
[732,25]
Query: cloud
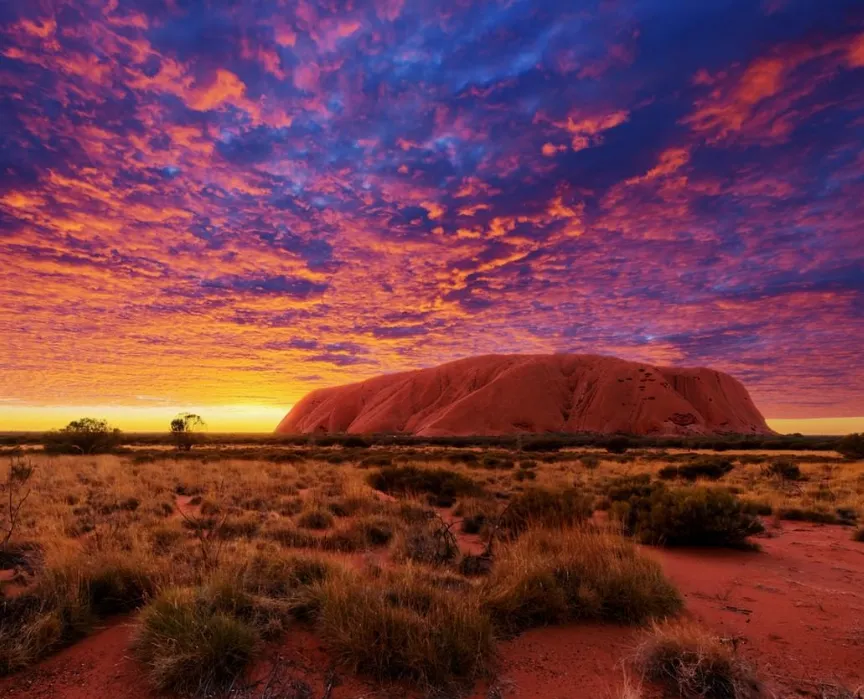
[383,185]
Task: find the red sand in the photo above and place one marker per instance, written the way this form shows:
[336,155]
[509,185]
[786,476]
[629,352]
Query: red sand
[507,394]
[798,608]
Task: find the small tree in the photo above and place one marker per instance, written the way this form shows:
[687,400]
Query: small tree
[852,446]
[184,430]
[14,492]
[85,436]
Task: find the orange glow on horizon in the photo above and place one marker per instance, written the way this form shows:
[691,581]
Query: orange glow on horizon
[264,418]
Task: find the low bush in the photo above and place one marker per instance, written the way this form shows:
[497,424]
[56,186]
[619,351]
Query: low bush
[590,461]
[317,518]
[846,515]
[430,542]
[858,535]
[784,469]
[281,576]
[852,446]
[496,463]
[476,514]
[553,576]
[190,646]
[244,526]
[360,534]
[290,536]
[618,444]
[525,475]
[695,664]
[757,507]
[115,586]
[692,516]
[802,514]
[626,487]
[401,626]
[710,467]
[440,483]
[543,508]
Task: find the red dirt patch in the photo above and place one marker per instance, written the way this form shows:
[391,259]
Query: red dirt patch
[98,667]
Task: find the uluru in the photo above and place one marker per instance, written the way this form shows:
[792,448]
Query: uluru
[552,393]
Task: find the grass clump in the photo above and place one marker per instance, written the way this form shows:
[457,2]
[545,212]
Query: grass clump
[401,626]
[544,508]
[441,484]
[430,542]
[692,516]
[709,467]
[362,533]
[804,514]
[290,536]
[190,645]
[553,576]
[858,535]
[784,469]
[65,602]
[695,664]
[317,518]
[476,514]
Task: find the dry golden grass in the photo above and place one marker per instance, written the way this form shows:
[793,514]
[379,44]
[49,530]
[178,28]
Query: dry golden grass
[288,540]
[550,576]
[696,664]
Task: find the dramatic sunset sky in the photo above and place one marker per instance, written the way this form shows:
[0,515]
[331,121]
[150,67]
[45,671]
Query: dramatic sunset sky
[221,205]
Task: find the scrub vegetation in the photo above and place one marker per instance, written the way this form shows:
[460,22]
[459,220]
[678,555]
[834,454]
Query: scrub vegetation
[410,563]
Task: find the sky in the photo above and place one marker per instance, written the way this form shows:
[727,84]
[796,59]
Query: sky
[223,205]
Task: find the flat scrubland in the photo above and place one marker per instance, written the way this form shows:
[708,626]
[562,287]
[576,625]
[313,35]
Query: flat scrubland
[424,569]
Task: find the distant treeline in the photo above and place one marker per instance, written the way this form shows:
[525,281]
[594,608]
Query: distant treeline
[523,442]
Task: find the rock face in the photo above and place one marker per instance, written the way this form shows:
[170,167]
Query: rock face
[506,394]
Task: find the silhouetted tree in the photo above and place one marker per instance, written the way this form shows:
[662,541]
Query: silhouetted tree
[184,430]
[85,436]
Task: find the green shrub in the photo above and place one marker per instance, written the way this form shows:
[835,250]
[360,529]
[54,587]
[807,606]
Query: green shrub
[710,467]
[693,516]
[190,646]
[554,576]
[290,536]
